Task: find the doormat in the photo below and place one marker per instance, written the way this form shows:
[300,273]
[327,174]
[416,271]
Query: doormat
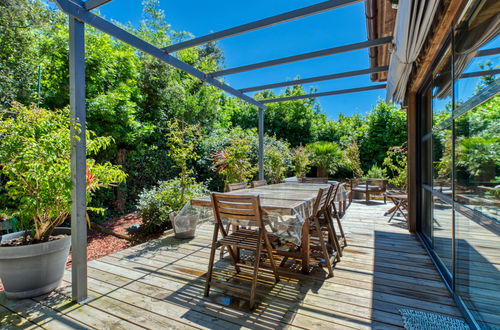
[418,320]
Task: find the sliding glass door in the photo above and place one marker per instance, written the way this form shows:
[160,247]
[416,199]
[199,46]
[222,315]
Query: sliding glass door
[460,162]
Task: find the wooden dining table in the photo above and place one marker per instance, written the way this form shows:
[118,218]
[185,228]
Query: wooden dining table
[288,199]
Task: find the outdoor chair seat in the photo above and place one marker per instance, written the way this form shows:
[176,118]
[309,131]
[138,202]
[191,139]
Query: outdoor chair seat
[246,239]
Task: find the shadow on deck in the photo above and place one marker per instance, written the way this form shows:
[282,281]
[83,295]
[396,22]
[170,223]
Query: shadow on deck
[160,284]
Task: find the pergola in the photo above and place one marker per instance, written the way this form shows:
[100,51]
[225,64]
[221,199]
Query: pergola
[79,13]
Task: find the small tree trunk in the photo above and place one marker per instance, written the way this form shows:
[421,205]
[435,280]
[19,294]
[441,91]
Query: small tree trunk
[120,200]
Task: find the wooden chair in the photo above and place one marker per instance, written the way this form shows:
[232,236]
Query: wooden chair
[237,186]
[236,208]
[320,224]
[367,187]
[337,214]
[314,180]
[232,187]
[259,183]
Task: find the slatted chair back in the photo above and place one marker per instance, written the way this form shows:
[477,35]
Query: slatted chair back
[259,183]
[237,186]
[333,195]
[377,184]
[314,180]
[320,201]
[237,208]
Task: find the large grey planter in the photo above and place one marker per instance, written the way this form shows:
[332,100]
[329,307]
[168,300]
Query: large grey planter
[32,270]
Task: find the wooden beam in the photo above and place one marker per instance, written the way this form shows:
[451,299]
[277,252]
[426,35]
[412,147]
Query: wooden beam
[436,42]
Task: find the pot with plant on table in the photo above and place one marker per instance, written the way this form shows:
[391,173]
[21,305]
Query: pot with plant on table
[35,158]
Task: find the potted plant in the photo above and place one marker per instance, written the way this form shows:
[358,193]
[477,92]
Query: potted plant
[327,157]
[35,149]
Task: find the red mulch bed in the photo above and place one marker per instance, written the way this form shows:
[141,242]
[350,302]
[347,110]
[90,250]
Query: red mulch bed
[100,244]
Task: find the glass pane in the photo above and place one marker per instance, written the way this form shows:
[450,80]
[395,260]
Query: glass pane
[478,268]
[477,165]
[427,213]
[442,218]
[442,156]
[442,92]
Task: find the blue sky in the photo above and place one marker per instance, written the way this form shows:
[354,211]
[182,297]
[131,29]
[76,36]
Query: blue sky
[334,28]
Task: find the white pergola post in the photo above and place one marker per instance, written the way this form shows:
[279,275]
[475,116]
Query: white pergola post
[78,160]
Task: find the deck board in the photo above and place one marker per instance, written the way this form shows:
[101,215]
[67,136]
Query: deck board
[160,284]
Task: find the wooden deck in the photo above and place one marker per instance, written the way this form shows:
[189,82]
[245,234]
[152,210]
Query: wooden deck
[160,285]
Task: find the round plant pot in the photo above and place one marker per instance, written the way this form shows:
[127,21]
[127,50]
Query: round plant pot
[32,270]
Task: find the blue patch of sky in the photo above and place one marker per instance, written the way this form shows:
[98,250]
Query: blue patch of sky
[337,27]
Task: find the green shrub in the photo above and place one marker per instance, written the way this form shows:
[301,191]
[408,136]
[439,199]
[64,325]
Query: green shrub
[376,172]
[275,163]
[301,161]
[397,164]
[35,158]
[234,162]
[156,204]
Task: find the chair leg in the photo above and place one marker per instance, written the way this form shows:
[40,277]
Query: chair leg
[271,257]
[395,211]
[367,198]
[332,234]
[255,271]
[223,247]
[323,247]
[385,199]
[211,260]
[342,234]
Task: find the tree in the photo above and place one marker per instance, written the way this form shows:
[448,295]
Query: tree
[386,127]
[181,141]
[18,49]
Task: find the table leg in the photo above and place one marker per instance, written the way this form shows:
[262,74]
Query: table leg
[305,252]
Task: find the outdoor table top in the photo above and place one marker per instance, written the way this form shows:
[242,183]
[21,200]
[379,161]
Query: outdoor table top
[397,196]
[285,198]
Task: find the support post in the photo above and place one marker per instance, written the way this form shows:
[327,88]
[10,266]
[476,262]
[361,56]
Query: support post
[411,117]
[78,159]
[261,144]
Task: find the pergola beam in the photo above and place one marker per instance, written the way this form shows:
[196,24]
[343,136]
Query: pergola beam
[316,79]
[305,56]
[314,95]
[480,73]
[101,24]
[263,23]
[93,4]
[488,52]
